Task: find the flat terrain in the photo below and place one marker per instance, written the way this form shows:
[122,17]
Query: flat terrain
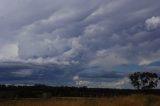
[133,100]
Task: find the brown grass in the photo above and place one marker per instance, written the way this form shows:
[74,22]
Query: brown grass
[133,100]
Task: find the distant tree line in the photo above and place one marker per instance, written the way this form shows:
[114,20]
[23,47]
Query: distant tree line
[43,91]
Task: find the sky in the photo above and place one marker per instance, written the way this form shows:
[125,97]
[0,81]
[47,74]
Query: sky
[94,43]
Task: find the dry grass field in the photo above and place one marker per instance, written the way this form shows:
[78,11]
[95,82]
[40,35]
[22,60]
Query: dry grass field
[133,100]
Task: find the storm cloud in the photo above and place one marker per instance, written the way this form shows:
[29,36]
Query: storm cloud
[77,42]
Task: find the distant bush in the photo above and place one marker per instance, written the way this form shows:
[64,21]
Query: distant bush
[144,80]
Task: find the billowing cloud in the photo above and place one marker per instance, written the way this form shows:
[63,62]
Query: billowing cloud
[9,51]
[153,23]
[74,41]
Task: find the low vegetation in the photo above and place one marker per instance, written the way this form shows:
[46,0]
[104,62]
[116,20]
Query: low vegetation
[132,100]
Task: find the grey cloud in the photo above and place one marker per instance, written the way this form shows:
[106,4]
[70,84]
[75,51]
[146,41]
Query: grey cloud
[93,28]
[101,74]
[11,71]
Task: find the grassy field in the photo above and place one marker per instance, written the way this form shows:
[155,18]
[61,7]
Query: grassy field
[133,100]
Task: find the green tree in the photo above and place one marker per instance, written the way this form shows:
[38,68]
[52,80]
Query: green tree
[144,80]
